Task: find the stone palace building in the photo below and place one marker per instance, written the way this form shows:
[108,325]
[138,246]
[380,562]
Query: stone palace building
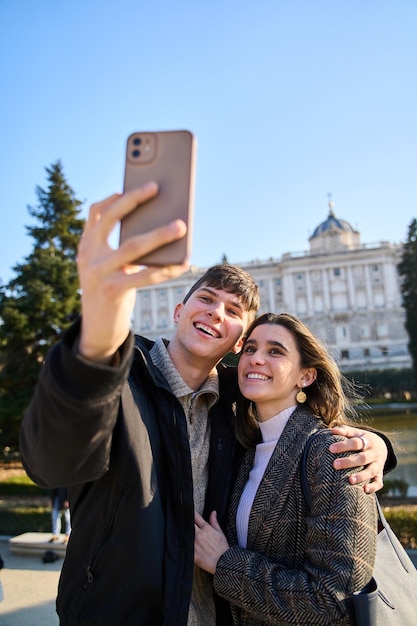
[348,293]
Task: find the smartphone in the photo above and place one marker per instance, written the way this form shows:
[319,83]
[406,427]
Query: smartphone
[168,158]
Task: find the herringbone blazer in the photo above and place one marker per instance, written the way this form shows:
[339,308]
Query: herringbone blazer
[300,566]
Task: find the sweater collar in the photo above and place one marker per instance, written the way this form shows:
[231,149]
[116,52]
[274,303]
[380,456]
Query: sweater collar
[271,430]
[161,359]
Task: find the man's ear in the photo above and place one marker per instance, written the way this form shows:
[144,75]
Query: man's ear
[238,346]
[308,377]
[177,312]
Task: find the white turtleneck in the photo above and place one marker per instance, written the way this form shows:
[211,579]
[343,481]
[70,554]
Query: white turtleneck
[271,431]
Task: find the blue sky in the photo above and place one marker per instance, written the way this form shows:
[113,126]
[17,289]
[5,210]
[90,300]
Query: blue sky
[289,101]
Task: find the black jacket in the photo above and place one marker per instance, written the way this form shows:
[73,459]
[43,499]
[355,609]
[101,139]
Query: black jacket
[118,437]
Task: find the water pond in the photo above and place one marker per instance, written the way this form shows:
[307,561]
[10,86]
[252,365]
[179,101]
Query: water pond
[399,422]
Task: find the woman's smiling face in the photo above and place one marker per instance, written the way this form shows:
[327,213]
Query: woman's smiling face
[270,371]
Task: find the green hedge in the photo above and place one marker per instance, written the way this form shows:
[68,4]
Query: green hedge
[403,522]
[16,520]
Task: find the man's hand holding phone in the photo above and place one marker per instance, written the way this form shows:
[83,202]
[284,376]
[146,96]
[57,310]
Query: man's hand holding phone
[109,278]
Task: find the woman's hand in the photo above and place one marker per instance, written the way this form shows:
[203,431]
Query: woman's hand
[210,542]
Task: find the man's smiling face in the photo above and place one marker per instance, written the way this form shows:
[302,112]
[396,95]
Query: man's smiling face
[211,323]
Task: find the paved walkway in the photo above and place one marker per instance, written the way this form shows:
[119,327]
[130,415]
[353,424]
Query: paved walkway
[29,589]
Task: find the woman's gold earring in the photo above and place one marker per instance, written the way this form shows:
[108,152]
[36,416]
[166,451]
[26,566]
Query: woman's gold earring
[301,396]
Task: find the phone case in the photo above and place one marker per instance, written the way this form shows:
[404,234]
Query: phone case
[167,157]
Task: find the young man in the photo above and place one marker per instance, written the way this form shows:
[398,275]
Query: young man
[148,429]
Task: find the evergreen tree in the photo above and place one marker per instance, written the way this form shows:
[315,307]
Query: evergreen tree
[408,270]
[41,301]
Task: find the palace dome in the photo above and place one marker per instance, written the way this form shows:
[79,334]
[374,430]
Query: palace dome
[333,234]
[332,223]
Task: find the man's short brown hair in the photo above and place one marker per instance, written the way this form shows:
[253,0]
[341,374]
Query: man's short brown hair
[232,279]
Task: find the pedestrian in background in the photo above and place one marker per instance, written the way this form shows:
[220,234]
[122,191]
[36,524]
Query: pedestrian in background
[60,504]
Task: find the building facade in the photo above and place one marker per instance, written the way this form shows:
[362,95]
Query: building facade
[348,293]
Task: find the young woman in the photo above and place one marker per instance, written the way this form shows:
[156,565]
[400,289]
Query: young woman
[282,562]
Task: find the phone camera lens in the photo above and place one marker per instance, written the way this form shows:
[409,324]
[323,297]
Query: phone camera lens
[135,154]
[137,141]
